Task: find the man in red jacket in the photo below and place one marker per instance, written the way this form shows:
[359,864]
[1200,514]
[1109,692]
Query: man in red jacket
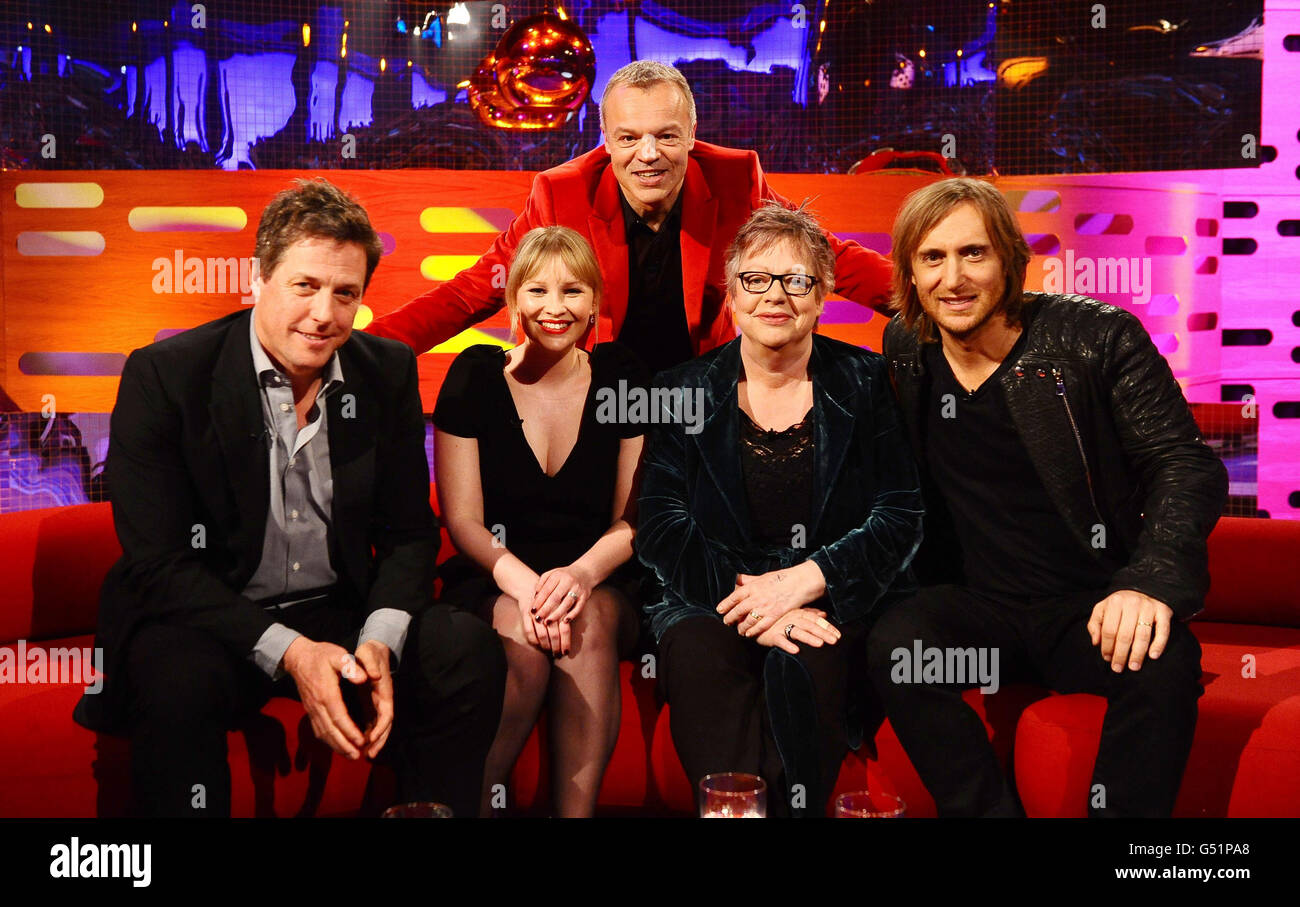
[659,209]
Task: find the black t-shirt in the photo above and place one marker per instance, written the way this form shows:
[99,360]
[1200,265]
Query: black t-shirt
[654,326]
[548,521]
[1014,542]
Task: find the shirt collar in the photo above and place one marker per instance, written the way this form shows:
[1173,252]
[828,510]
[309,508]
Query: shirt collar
[270,376]
[632,219]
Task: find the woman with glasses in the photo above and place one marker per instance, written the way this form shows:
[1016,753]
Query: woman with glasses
[779,523]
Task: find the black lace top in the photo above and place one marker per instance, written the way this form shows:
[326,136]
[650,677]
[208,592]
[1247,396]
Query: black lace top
[778,471]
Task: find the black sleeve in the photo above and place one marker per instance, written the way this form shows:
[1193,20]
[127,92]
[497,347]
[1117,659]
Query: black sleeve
[460,399]
[613,362]
[157,510]
[1185,482]
[404,531]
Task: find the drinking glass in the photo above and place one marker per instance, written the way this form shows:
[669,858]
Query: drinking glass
[733,795]
[861,804]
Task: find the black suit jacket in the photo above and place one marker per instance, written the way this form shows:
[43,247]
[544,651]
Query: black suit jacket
[188,475]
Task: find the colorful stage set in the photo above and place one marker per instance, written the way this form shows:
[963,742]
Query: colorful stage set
[100,261]
[1150,149]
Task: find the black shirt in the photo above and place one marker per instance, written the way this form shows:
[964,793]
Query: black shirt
[655,324]
[778,471]
[1014,541]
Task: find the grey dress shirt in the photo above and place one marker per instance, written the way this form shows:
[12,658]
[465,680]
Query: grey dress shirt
[295,565]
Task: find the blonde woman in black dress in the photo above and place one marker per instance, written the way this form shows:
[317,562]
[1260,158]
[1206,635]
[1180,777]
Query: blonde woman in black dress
[537,494]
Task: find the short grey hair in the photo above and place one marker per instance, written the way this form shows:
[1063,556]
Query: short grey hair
[646,74]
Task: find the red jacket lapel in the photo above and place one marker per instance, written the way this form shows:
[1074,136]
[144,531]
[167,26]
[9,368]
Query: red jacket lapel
[699,217]
[609,242]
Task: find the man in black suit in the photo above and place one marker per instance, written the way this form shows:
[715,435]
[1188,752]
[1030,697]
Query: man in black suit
[270,491]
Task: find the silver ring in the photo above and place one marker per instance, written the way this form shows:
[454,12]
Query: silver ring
[572,595]
[788,628]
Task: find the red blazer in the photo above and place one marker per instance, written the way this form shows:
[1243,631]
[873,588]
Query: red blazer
[723,187]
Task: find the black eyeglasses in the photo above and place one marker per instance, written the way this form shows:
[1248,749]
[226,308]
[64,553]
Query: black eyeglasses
[794,284]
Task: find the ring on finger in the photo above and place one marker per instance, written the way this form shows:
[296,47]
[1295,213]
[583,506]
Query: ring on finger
[788,629]
[755,616]
[572,595]
[1144,623]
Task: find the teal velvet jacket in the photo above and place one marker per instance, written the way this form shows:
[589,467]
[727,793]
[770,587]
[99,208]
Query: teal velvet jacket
[693,524]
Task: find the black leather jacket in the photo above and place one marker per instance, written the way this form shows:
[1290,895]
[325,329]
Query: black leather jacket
[1110,433]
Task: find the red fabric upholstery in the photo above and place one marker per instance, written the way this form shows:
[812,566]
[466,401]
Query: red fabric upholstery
[1246,753]
[1244,760]
[1254,572]
[54,561]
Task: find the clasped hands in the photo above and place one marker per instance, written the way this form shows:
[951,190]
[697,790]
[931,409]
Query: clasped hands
[559,596]
[318,669]
[763,607]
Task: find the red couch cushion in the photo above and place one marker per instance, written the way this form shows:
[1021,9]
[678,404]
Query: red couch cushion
[54,561]
[1245,755]
[1250,562]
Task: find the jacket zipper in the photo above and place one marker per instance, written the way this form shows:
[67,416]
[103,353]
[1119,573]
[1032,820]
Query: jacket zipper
[1078,439]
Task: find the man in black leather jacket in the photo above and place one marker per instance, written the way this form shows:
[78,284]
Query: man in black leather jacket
[1068,496]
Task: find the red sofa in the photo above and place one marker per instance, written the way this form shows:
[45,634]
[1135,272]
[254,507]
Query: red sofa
[1244,761]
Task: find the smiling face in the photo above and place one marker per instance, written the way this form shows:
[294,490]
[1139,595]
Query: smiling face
[553,306]
[773,318]
[959,278]
[649,137]
[305,307]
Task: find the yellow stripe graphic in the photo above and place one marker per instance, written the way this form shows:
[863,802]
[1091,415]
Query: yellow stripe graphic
[467,338]
[445,267]
[187,218]
[454,220]
[59,195]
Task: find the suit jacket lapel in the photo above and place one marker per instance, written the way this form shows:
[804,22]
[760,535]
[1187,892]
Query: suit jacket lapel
[609,242]
[699,219]
[351,410]
[237,419]
[718,441]
[1038,413]
[833,426]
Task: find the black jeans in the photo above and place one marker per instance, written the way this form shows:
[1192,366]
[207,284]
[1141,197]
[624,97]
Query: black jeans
[1150,713]
[185,691]
[725,694]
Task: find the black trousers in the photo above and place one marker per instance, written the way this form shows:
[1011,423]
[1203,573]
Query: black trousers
[185,691]
[731,699]
[1150,713]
